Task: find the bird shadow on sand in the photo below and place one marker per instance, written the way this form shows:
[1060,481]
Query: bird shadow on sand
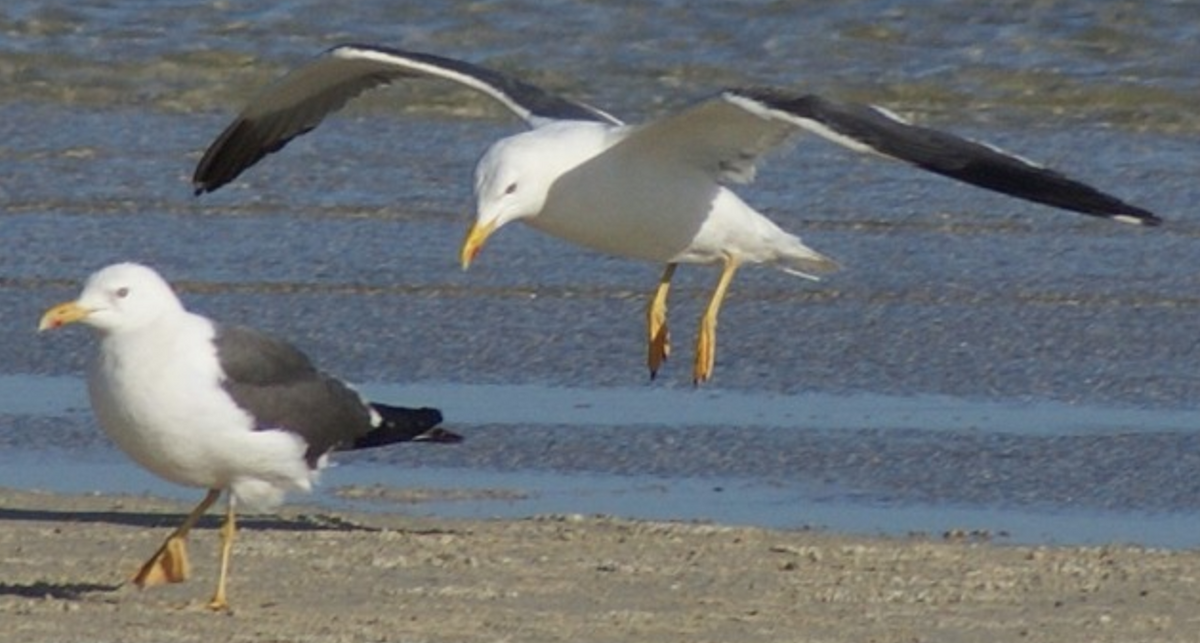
[57,591]
[305,522]
[71,591]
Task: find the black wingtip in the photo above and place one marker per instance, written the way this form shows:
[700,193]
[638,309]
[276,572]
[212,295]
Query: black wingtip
[979,164]
[235,150]
[400,424]
[1138,216]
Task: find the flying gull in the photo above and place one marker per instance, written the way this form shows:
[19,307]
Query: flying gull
[220,407]
[656,191]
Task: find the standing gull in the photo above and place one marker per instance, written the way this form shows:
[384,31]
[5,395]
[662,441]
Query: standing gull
[219,407]
[655,191]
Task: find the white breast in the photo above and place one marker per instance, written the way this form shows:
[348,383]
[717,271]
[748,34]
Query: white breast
[158,397]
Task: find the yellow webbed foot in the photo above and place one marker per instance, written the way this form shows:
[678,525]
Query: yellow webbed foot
[228,530]
[168,565]
[218,603]
[706,355]
[659,338]
[706,338]
[659,346]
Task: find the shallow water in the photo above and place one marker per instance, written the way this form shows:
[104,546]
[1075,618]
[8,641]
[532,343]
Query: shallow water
[980,363]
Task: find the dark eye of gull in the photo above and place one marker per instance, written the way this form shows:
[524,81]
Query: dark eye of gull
[122,292]
[512,187]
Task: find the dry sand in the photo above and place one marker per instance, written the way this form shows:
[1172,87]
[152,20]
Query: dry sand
[309,576]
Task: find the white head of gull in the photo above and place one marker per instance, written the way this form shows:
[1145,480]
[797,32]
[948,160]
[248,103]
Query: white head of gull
[218,407]
[657,191]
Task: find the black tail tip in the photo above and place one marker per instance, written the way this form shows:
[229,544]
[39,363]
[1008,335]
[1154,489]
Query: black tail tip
[402,424]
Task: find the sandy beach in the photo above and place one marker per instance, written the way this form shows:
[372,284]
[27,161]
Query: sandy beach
[320,576]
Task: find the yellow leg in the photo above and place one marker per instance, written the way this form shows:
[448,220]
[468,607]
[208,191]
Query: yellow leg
[170,563]
[706,339]
[656,323]
[228,528]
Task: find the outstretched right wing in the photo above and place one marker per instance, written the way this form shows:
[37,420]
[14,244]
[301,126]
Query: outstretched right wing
[298,102]
[729,134]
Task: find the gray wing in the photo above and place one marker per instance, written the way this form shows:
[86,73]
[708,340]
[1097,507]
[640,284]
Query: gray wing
[727,136]
[298,102]
[281,389]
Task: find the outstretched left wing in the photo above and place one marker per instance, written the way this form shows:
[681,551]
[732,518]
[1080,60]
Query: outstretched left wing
[728,134]
[300,100]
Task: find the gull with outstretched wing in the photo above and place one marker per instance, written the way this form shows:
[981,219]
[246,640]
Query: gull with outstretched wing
[656,191]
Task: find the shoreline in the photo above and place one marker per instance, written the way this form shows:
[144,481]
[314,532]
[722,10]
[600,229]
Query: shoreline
[369,486]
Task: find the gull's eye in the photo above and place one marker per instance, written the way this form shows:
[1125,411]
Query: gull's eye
[512,187]
[122,292]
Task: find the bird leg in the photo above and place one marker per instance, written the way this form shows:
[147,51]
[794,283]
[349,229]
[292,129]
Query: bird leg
[706,339]
[656,322]
[228,528]
[170,563]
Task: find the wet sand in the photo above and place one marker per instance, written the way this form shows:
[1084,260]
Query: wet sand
[307,575]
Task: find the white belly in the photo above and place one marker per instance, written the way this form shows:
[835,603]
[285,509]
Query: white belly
[614,208]
[617,195]
[170,417]
[660,217]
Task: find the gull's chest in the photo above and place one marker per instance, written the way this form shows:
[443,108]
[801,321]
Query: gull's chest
[629,207]
[155,395]
[140,381]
